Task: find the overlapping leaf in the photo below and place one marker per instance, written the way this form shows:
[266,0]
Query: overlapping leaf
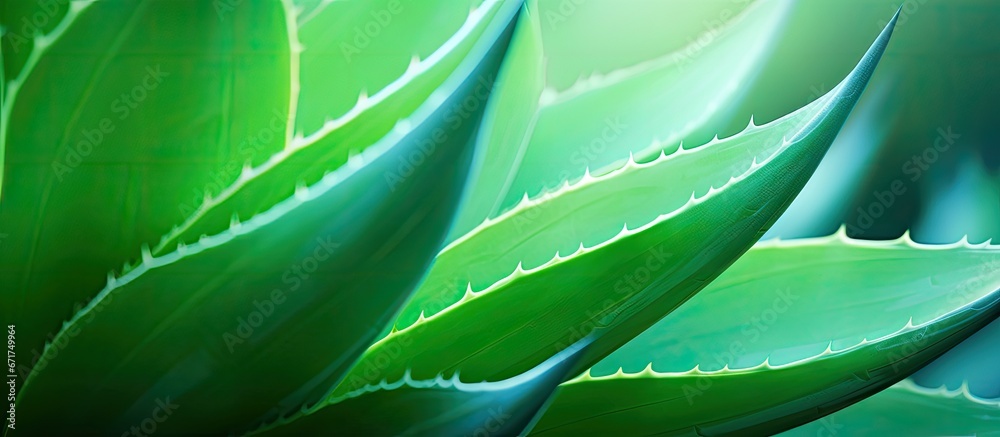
[235,327]
[497,326]
[668,72]
[791,332]
[971,363]
[439,406]
[110,127]
[339,107]
[912,410]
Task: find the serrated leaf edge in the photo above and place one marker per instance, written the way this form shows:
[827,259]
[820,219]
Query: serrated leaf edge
[828,100]
[438,381]
[962,392]
[549,97]
[297,142]
[588,179]
[839,237]
[40,45]
[303,194]
[595,81]
[520,271]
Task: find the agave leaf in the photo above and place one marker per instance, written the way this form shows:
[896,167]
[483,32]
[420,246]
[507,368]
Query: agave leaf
[341,59]
[921,100]
[108,131]
[963,196]
[438,406]
[339,106]
[960,199]
[204,325]
[971,363]
[615,288]
[619,102]
[909,409]
[819,208]
[791,332]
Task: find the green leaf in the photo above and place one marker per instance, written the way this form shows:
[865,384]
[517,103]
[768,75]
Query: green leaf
[350,48]
[438,406]
[110,125]
[961,201]
[236,328]
[667,73]
[971,363]
[496,325]
[909,409]
[791,332]
[344,100]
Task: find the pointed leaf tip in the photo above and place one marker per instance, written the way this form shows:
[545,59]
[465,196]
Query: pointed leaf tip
[846,94]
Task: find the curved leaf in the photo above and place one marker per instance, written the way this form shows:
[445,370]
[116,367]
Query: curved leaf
[972,363]
[439,406]
[909,409]
[649,86]
[332,129]
[967,198]
[110,126]
[615,288]
[235,328]
[791,332]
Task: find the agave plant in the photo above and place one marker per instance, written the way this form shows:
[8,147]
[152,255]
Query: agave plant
[312,217]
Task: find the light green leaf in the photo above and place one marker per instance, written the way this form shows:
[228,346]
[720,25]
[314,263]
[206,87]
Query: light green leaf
[684,223]
[344,100]
[350,48]
[911,410]
[236,328]
[962,201]
[111,126]
[791,332]
[439,406]
[971,363]
[666,73]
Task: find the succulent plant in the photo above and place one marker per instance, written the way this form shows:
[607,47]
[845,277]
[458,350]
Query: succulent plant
[410,217]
